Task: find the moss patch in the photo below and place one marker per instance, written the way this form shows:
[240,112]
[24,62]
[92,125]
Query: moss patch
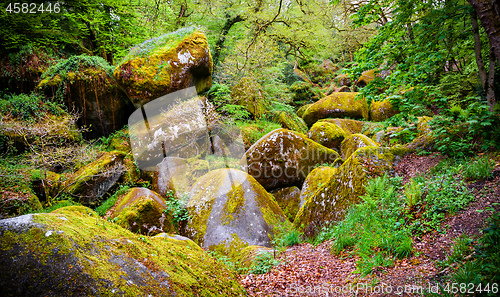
[381,110]
[337,105]
[353,142]
[327,134]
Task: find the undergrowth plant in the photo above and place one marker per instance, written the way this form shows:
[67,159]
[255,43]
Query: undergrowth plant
[108,203]
[176,207]
[479,168]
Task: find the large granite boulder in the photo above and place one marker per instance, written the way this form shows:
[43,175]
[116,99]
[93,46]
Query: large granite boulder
[93,180]
[381,110]
[89,88]
[327,134]
[354,141]
[141,210]
[229,210]
[166,64]
[315,180]
[284,158]
[345,187]
[74,252]
[178,175]
[337,105]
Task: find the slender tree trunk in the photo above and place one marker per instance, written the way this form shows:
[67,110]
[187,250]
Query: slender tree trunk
[490,93]
[222,38]
[488,12]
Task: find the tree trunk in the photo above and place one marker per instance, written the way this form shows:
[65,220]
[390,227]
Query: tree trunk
[490,92]
[488,12]
[225,30]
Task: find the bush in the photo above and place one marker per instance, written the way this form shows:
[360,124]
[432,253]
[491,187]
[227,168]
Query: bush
[263,263]
[27,107]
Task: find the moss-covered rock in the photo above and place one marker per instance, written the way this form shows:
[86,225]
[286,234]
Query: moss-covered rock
[246,257]
[288,199]
[423,126]
[178,175]
[88,86]
[73,251]
[344,89]
[337,105]
[352,142]
[21,199]
[45,183]
[330,201]
[288,120]
[284,158]
[301,92]
[173,129]
[381,110]
[365,78]
[343,80]
[93,180]
[315,180]
[302,109]
[141,211]
[327,134]
[229,210]
[166,64]
[349,126]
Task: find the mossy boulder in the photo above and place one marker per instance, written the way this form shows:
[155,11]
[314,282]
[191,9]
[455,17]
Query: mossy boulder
[284,158]
[344,89]
[327,134]
[288,120]
[302,92]
[349,126]
[88,86]
[315,180]
[93,180]
[229,210]
[330,201]
[288,199]
[178,175]
[172,128]
[75,252]
[246,257]
[166,64]
[365,78]
[18,200]
[337,105]
[423,126]
[343,80]
[354,141]
[45,183]
[302,109]
[381,110]
[141,210]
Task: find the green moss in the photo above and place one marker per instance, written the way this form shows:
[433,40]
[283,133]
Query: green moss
[365,78]
[330,201]
[251,132]
[95,254]
[288,120]
[327,134]
[337,105]
[381,110]
[234,204]
[353,142]
[302,109]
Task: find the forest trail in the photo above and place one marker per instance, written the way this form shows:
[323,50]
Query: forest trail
[307,270]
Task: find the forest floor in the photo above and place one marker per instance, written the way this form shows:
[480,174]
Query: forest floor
[307,270]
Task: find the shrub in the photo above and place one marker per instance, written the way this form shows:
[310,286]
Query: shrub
[480,168]
[176,207]
[263,263]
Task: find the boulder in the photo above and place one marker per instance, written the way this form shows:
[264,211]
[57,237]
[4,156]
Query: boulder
[327,134]
[365,78]
[349,126]
[354,141]
[229,210]
[93,180]
[284,158]
[166,64]
[288,199]
[381,110]
[330,201]
[74,252]
[315,180]
[288,120]
[343,80]
[337,105]
[245,259]
[302,109]
[17,200]
[344,89]
[141,210]
[178,175]
[89,88]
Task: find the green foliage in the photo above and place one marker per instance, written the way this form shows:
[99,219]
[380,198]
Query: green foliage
[290,238]
[408,124]
[176,207]
[253,131]
[60,204]
[27,107]
[223,259]
[480,168]
[110,202]
[77,63]
[412,193]
[263,263]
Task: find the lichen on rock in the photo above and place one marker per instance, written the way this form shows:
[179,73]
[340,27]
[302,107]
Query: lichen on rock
[74,250]
[337,105]
[327,134]
[354,141]
[381,110]
[229,210]
[284,158]
[330,201]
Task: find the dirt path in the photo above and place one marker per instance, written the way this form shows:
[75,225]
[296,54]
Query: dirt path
[314,271]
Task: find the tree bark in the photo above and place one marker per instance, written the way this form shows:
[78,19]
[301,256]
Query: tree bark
[488,12]
[490,93]
[230,21]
